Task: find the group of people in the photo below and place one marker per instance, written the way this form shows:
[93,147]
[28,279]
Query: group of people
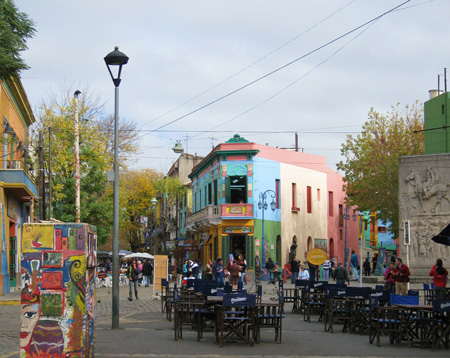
[139,274]
[235,270]
[398,275]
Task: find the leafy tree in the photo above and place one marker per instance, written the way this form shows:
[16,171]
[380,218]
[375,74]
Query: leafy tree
[15,28]
[95,159]
[371,164]
[137,190]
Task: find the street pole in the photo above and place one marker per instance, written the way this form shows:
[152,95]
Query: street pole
[116,58]
[77,160]
[345,242]
[361,234]
[262,205]
[50,173]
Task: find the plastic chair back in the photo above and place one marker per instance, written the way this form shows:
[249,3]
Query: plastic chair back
[441,305]
[336,292]
[236,300]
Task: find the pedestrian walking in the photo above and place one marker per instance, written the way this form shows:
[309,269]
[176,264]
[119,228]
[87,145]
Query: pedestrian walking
[401,277]
[219,272]
[133,278]
[235,271]
[374,263]
[440,277]
[340,274]
[257,270]
[326,267]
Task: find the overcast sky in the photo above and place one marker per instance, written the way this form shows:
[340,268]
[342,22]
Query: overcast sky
[184,55]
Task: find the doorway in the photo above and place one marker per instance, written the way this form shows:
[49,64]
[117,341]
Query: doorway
[238,245]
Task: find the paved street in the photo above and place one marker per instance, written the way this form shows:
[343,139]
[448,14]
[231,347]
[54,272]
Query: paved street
[145,332]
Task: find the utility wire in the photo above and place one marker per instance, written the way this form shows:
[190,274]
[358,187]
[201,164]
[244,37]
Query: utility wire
[283,67]
[250,65]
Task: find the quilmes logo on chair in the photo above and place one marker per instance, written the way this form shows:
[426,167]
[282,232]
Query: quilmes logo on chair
[238,299]
[444,305]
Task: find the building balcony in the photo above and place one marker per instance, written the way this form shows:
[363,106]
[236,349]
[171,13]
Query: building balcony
[204,218]
[244,211]
[17,180]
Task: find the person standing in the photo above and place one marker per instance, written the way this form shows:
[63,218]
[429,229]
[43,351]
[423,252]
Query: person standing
[389,276]
[146,271]
[374,263]
[241,262]
[219,272]
[269,267]
[294,269]
[401,277]
[354,262]
[208,268]
[234,270]
[366,267]
[326,269]
[276,273]
[140,267]
[179,273]
[133,278]
[340,274]
[303,274]
[440,276]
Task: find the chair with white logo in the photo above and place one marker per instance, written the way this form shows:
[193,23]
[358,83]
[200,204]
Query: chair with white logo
[441,323]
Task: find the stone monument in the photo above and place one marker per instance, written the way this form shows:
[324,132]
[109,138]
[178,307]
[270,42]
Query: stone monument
[424,201]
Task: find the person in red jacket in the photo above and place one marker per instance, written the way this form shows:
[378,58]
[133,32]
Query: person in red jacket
[440,275]
[401,277]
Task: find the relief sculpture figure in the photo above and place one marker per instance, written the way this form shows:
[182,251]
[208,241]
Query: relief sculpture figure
[428,188]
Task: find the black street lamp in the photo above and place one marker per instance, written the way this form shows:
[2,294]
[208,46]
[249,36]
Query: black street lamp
[116,59]
[262,204]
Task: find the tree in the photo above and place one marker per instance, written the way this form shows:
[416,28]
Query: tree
[95,159]
[138,189]
[371,164]
[15,28]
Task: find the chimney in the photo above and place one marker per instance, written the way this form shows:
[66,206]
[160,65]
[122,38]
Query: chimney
[434,93]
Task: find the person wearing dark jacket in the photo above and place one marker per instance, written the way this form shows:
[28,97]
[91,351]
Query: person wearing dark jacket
[294,269]
[440,275]
[133,277]
[366,267]
[401,277]
[269,267]
[147,272]
[340,274]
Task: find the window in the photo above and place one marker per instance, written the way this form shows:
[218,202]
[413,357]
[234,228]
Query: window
[318,194]
[216,193]
[330,203]
[341,236]
[308,200]
[236,189]
[341,215]
[209,193]
[294,197]
[277,192]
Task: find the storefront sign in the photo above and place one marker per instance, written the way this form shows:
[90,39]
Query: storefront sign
[316,256]
[236,210]
[237,229]
[257,243]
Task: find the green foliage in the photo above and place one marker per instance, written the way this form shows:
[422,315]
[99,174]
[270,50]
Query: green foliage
[371,164]
[137,190]
[96,159]
[15,29]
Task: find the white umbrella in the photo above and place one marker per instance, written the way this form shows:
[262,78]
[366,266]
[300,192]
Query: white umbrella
[142,255]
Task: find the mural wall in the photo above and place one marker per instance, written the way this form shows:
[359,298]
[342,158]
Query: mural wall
[58,290]
[424,198]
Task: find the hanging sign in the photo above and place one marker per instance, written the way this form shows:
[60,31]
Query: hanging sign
[316,256]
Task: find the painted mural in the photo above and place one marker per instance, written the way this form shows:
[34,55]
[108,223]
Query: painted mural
[58,290]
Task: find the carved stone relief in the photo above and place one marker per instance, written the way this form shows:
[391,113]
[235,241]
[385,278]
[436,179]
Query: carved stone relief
[424,200]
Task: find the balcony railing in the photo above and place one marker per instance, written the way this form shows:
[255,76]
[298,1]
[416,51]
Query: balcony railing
[237,210]
[206,217]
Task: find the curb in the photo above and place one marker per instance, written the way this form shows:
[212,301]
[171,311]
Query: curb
[10,303]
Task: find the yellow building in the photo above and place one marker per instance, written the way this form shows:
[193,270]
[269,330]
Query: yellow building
[18,190]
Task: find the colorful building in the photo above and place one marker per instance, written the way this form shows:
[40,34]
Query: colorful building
[18,191]
[241,189]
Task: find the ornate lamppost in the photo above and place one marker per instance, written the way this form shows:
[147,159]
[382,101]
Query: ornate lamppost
[262,205]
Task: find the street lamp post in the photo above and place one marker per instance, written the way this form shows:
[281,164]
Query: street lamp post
[262,205]
[116,58]
[346,218]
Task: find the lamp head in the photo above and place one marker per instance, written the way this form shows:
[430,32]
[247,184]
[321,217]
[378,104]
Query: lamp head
[116,58]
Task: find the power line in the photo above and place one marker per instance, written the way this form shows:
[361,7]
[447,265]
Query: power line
[284,66]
